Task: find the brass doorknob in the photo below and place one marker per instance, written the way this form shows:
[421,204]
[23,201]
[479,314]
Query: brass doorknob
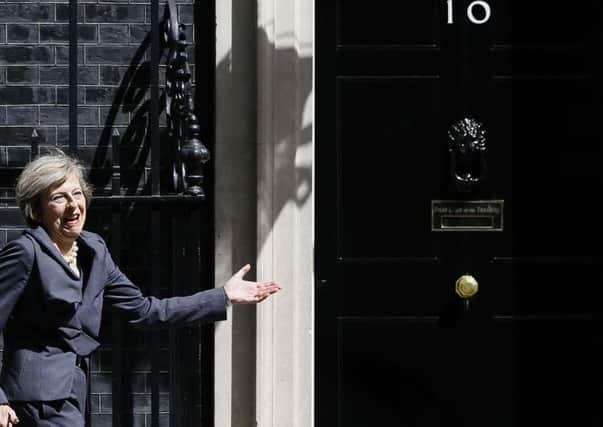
[466,286]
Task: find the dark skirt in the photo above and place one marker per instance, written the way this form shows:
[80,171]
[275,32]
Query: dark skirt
[58,413]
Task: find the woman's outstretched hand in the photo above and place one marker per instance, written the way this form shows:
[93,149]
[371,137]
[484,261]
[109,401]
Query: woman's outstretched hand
[8,418]
[240,291]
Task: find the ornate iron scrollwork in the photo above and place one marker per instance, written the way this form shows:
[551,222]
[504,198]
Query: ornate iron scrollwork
[189,153]
[467,149]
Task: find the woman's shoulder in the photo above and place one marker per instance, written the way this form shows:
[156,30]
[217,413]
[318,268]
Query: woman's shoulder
[23,242]
[22,248]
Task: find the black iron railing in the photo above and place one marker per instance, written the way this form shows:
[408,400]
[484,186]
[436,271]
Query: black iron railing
[187,155]
[189,152]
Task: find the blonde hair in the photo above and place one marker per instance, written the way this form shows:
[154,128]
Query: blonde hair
[41,173]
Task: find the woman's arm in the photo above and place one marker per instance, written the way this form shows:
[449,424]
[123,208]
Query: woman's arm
[205,306]
[148,311]
[16,263]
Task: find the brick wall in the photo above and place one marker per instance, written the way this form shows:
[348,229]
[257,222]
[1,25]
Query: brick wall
[113,74]
[113,78]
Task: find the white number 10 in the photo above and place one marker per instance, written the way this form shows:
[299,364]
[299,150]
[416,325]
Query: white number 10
[484,5]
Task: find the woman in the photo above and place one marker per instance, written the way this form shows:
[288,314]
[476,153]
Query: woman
[54,281]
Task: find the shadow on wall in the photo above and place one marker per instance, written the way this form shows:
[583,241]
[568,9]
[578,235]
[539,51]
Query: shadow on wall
[291,130]
[291,137]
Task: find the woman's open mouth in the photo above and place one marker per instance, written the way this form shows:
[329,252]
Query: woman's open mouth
[71,221]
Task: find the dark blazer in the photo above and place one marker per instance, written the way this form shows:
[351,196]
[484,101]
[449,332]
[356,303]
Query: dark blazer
[47,317]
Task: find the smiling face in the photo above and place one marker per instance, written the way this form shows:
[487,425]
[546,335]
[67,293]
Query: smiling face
[63,211]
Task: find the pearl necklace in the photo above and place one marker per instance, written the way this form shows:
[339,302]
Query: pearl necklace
[71,257]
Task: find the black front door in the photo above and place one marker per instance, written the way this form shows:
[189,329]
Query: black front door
[458,239]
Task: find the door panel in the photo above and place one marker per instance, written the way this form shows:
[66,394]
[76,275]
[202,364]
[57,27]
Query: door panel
[555,24]
[396,345]
[406,142]
[413,23]
[410,370]
[544,158]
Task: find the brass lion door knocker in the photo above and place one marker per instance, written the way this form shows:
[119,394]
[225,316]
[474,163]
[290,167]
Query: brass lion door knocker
[467,149]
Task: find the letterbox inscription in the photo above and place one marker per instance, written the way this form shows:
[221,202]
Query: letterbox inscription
[467,215]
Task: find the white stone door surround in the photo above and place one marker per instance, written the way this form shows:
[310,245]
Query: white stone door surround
[264,356]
